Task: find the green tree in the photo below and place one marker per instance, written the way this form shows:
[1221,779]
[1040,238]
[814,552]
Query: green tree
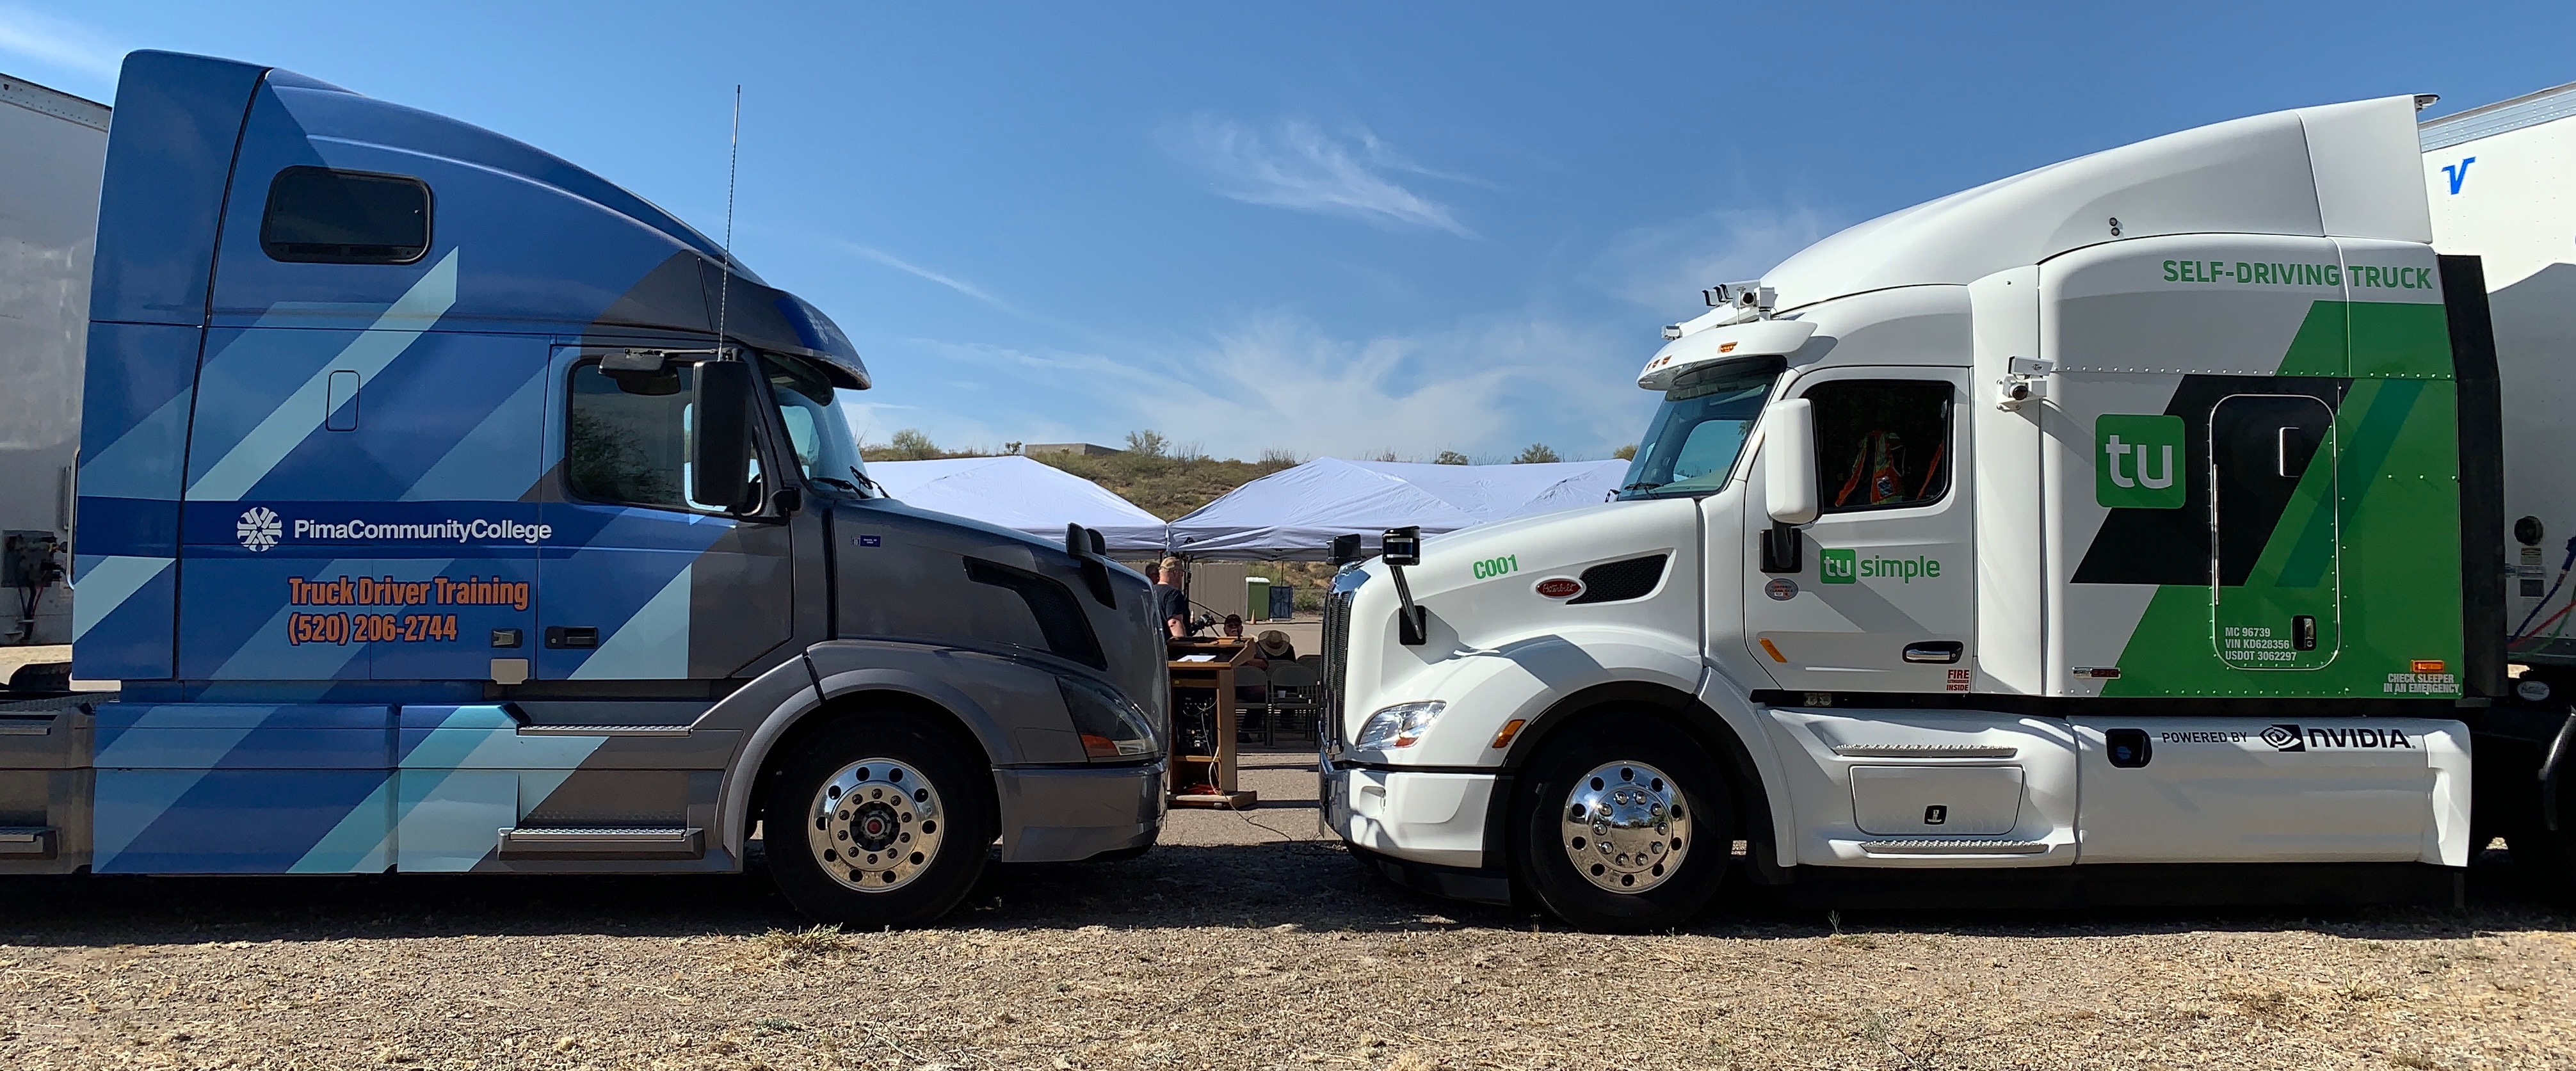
[1625,453]
[910,444]
[1148,443]
[1450,457]
[1537,454]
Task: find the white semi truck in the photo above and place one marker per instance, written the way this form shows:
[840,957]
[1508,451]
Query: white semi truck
[2129,530]
[49,182]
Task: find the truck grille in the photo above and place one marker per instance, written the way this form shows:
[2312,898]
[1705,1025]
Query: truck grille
[1337,649]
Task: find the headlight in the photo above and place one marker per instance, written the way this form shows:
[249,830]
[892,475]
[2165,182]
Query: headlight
[1110,726]
[1401,725]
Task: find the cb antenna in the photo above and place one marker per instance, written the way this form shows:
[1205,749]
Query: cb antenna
[733,168]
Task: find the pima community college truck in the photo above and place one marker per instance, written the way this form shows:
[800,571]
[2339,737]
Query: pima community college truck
[48,196]
[444,507]
[2135,518]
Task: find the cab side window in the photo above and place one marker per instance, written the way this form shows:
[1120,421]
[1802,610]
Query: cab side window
[1881,443]
[321,216]
[630,439]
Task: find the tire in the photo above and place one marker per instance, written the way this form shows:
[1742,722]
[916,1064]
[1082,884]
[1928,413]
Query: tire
[2545,859]
[1676,804]
[913,845]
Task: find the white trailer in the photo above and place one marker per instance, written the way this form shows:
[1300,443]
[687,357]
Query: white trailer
[2128,530]
[49,183]
[2502,182]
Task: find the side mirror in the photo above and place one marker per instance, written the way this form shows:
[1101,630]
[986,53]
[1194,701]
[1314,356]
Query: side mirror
[1346,549]
[1789,462]
[1089,550]
[720,465]
[1401,546]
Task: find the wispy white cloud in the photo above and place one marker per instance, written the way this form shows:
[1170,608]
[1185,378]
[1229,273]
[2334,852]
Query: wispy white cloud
[1298,166]
[1665,266]
[57,42]
[899,264]
[1282,381]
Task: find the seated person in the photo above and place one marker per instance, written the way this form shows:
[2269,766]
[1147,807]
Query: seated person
[1271,647]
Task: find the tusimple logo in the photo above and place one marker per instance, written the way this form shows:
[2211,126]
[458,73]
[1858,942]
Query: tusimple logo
[1846,566]
[2137,461]
[258,528]
[2285,737]
[1839,566]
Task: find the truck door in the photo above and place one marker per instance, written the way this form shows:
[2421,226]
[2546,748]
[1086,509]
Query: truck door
[1882,599]
[2273,503]
[639,581]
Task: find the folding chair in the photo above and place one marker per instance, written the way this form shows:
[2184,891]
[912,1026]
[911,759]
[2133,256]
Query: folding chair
[1251,699]
[1293,690]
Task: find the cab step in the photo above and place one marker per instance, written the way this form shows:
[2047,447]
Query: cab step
[672,843]
[1947,846]
[27,842]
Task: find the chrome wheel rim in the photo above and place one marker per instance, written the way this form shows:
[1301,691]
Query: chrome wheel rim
[876,825]
[1625,827]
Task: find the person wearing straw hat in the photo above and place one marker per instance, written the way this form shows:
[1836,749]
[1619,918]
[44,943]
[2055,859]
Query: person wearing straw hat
[1272,646]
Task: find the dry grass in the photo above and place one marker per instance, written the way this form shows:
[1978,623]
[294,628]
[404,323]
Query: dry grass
[1236,945]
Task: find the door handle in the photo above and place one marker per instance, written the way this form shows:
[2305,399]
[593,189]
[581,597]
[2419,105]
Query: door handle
[1939,652]
[559,637]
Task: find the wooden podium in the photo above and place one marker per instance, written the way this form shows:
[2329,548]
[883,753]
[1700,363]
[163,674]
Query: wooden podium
[1202,675]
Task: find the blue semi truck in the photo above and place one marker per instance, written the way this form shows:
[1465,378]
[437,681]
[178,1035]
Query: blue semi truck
[445,507]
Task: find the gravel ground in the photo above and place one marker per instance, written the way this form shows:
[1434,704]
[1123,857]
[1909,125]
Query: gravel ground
[1240,942]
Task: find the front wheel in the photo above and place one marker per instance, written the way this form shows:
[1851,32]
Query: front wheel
[1624,825]
[879,820]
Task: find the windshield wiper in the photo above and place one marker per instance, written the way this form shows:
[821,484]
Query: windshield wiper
[873,486]
[838,482]
[1641,485]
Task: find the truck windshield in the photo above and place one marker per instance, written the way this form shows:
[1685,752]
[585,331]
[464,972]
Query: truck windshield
[815,425]
[1700,429]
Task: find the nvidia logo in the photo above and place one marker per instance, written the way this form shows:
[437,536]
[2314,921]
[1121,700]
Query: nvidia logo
[2137,461]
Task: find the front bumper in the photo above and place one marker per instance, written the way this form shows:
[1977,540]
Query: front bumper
[1063,814]
[1434,818]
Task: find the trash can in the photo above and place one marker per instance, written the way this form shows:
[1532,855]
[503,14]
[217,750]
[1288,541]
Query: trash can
[1256,597]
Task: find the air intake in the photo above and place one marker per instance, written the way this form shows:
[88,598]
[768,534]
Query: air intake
[1621,581]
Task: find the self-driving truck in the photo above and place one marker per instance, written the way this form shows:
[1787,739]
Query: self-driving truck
[2128,530]
[446,508]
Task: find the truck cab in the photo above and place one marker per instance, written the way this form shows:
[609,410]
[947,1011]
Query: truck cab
[445,507]
[2116,530]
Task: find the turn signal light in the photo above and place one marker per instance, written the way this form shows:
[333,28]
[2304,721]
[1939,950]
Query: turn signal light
[1511,729]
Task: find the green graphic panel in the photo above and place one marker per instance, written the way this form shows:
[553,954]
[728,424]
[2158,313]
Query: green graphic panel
[2322,345]
[2400,341]
[2137,461]
[2383,531]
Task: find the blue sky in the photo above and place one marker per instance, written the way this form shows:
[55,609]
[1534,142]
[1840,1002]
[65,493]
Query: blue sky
[1330,228]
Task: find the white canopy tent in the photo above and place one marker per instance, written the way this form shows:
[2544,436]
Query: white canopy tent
[1294,515]
[1023,494]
